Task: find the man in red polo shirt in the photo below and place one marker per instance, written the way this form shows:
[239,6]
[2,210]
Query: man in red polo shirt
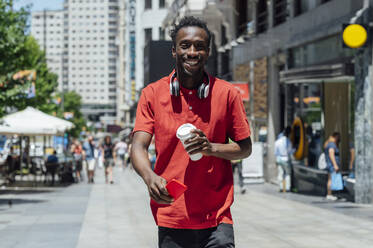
[201,216]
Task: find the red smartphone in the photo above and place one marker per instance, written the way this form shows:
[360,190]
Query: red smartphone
[175,188]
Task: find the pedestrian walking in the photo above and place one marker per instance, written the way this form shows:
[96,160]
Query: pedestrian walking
[89,148]
[332,159]
[120,150]
[283,153]
[77,151]
[201,216]
[108,152]
[51,165]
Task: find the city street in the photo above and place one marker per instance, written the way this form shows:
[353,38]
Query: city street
[118,215]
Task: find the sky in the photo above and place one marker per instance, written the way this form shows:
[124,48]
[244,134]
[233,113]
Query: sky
[38,5]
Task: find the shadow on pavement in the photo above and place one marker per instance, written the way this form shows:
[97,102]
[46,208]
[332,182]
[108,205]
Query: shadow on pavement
[21,191]
[17,201]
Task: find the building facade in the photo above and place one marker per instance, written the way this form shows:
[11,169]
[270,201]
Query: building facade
[311,80]
[47,28]
[93,54]
[144,23]
[82,46]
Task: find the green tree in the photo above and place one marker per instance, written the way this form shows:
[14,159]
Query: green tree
[12,33]
[71,103]
[20,52]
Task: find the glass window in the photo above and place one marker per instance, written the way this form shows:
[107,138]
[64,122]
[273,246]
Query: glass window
[162,35]
[148,35]
[302,6]
[304,101]
[162,4]
[148,4]
[262,19]
[280,11]
[321,51]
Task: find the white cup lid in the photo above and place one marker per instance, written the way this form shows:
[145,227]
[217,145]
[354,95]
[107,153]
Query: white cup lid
[184,130]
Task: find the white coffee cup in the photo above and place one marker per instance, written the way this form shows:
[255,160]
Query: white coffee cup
[183,133]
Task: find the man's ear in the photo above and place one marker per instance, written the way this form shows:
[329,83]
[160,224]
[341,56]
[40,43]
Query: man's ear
[173,52]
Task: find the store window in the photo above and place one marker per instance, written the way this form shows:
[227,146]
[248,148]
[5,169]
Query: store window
[304,101]
[321,109]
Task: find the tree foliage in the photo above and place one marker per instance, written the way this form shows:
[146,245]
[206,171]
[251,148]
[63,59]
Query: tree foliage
[71,102]
[21,52]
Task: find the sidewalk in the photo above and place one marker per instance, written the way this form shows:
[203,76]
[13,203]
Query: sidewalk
[118,215]
[42,217]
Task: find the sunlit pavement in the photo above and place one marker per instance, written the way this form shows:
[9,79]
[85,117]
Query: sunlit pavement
[104,215]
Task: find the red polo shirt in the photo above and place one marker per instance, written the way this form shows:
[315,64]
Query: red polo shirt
[207,201]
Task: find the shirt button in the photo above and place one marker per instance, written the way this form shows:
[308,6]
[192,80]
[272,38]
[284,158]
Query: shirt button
[190,92]
[190,107]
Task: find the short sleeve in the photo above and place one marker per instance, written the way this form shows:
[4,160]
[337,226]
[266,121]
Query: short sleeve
[239,128]
[144,114]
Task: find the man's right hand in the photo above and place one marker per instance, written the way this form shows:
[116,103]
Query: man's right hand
[157,189]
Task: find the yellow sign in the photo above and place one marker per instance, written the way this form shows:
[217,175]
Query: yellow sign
[355,35]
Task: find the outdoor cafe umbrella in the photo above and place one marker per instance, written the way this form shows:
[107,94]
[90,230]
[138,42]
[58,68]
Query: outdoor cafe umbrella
[37,118]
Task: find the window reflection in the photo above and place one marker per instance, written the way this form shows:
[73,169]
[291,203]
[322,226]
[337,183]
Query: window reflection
[306,104]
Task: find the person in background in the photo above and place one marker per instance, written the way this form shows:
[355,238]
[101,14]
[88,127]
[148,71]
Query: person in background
[120,150]
[89,152]
[332,159]
[12,164]
[108,152]
[52,165]
[283,152]
[77,151]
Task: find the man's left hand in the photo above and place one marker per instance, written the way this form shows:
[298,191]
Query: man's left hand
[199,143]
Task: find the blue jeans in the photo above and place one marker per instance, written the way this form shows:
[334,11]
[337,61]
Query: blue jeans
[221,236]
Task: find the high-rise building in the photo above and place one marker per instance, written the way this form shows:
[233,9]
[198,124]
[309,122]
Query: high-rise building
[93,55]
[144,23]
[89,54]
[47,29]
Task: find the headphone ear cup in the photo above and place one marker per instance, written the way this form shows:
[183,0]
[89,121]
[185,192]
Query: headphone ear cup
[201,91]
[176,88]
[206,91]
[171,89]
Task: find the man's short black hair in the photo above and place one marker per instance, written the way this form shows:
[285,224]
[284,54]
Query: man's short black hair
[190,21]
